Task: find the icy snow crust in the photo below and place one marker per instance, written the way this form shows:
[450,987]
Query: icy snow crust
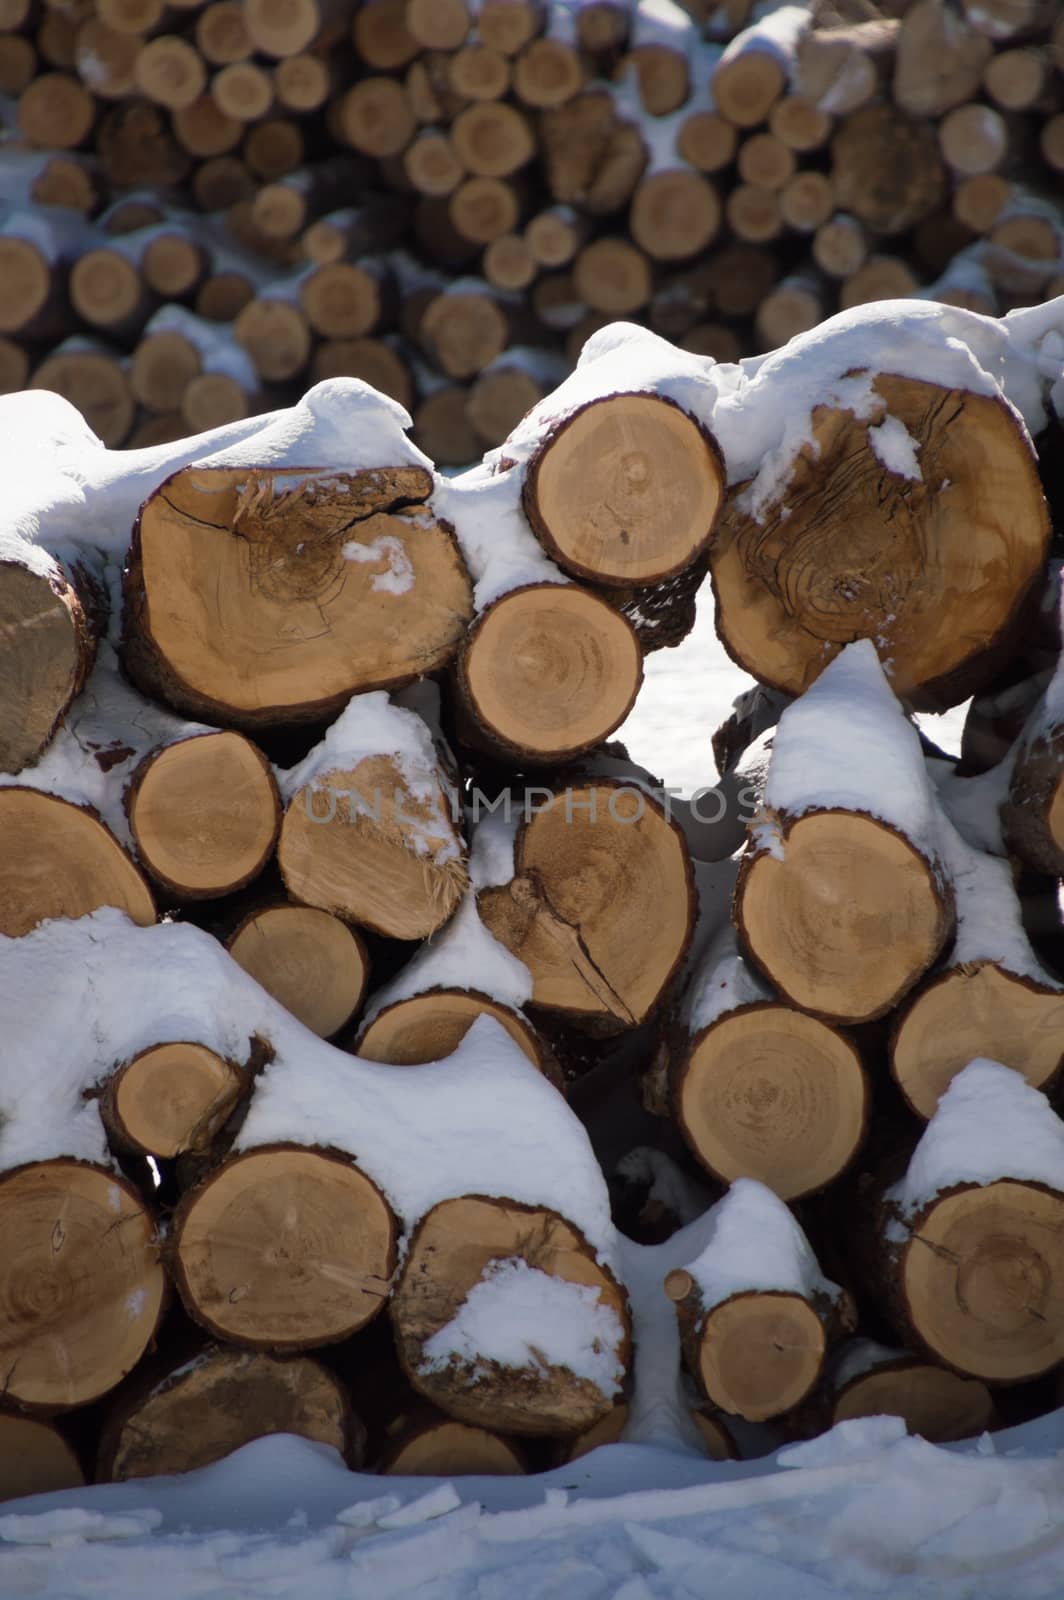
[522,1317]
[989,1124]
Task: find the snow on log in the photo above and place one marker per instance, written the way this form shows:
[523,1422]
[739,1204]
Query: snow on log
[597,900]
[369,831]
[756,1314]
[759,1089]
[436,1446]
[461,974]
[311,962]
[81,1287]
[504,1318]
[842,900]
[863,510]
[992,997]
[756,66]
[35,1458]
[205,814]
[197,1411]
[236,561]
[966,1255]
[870,1380]
[1033,813]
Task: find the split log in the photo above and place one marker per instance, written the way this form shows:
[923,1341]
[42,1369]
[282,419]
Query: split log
[370,831]
[1033,812]
[755,1340]
[870,1380]
[314,964]
[58,859]
[173,1098]
[547,672]
[200,1410]
[284,1248]
[224,556]
[939,62]
[591,159]
[760,1090]
[965,1247]
[537,1268]
[841,68]
[436,1446]
[80,1245]
[590,865]
[427,1010]
[992,997]
[940,635]
[35,1458]
[205,814]
[842,900]
[886,169]
[624,489]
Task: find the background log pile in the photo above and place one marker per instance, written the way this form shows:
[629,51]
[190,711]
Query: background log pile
[308,743]
[208,208]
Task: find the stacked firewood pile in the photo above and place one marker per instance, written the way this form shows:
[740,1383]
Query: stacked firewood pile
[212,206]
[302,742]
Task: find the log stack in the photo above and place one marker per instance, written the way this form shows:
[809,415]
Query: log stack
[447,206]
[338,942]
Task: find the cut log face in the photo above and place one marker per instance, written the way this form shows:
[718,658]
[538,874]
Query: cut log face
[978,1009]
[59,860]
[451,1249]
[982,1280]
[81,1288]
[309,960]
[171,1098]
[430,1026]
[768,1093]
[35,1458]
[626,490]
[365,847]
[205,814]
[284,1248]
[848,920]
[259,596]
[47,646]
[934,569]
[600,908]
[761,1353]
[448,1449]
[549,671]
[939,1405]
[214,1404]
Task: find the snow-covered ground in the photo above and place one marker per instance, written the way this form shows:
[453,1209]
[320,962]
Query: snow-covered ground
[863,1510]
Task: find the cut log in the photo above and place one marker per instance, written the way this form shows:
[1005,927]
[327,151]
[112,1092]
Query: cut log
[971,1264]
[662,76]
[886,169]
[753,214]
[205,814]
[842,899]
[939,62]
[508,25]
[438,24]
[760,1090]
[170,72]
[548,73]
[443,430]
[464,329]
[611,275]
[343,301]
[626,489]
[225,557]
[591,159]
[1033,812]
[991,998]
[221,33]
[284,1248]
[35,1458]
[707,141]
[794,306]
[56,112]
[59,860]
[373,837]
[554,236]
[171,1099]
[430,1025]
[507,390]
[938,1405]
[79,1243]
[539,1267]
[674,215]
[508,263]
[765,161]
[755,1341]
[493,139]
[973,139]
[799,123]
[780,620]
[432,164]
[137,149]
[310,961]
[841,68]
[591,865]
[548,671]
[439,1447]
[750,77]
[840,246]
[483,209]
[381,36]
[204,1409]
